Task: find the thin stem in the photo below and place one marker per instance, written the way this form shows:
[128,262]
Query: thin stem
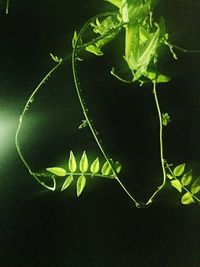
[29,101]
[7,6]
[83,106]
[161,144]
[185,50]
[171,172]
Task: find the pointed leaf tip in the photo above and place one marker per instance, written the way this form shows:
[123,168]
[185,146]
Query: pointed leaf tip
[187,178]
[81,182]
[94,168]
[106,169]
[67,182]
[57,171]
[83,163]
[72,162]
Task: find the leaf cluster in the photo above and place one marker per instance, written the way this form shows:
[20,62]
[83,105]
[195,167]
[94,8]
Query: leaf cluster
[82,169]
[183,181]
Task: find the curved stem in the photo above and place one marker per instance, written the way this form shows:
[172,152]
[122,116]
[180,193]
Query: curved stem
[185,50]
[161,144]
[29,101]
[83,105]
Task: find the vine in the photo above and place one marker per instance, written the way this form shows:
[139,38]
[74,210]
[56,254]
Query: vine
[143,38]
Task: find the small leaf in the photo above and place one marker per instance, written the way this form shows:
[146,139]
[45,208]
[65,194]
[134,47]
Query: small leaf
[187,199]
[195,188]
[165,119]
[83,163]
[80,184]
[118,167]
[74,39]
[55,58]
[67,182]
[106,169]
[94,168]
[178,170]
[72,162]
[94,49]
[57,171]
[187,178]
[177,184]
[169,176]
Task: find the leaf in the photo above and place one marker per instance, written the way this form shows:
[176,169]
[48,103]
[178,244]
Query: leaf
[178,170]
[55,58]
[57,171]
[169,176]
[118,167]
[195,188]
[72,162]
[94,168]
[67,182]
[177,184]
[83,163]
[106,169]
[94,49]
[74,39]
[187,199]
[80,184]
[165,119]
[117,3]
[187,178]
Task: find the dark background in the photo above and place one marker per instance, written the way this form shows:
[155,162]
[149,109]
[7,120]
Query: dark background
[101,228]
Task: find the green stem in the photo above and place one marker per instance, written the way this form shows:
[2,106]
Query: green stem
[171,172]
[29,101]
[161,144]
[83,106]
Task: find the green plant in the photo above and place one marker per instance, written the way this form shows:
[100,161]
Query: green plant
[143,38]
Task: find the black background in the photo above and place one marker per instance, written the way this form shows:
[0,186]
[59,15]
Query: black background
[102,227]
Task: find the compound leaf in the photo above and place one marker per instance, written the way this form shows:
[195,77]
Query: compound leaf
[57,171]
[178,170]
[187,178]
[94,168]
[72,162]
[83,163]
[106,169]
[177,184]
[67,182]
[195,188]
[187,199]
[81,182]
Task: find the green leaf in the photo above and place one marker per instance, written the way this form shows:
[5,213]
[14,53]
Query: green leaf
[187,178]
[106,169]
[57,171]
[178,170]
[74,39]
[195,188]
[67,182]
[169,176]
[118,167]
[94,168]
[187,199]
[83,163]
[94,49]
[165,119]
[177,184]
[117,3]
[55,58]
[72,162]
[81,182]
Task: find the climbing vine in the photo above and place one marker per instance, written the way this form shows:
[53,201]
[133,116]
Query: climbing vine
[144,36]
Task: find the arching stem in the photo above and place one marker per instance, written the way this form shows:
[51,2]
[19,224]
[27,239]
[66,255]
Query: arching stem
[83,105]
[29,101]
[161,144]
